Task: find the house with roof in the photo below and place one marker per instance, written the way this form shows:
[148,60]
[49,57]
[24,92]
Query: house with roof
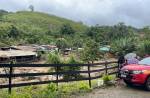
[8,54]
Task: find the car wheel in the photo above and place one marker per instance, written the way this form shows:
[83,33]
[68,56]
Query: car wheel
[128,83]
[147,84]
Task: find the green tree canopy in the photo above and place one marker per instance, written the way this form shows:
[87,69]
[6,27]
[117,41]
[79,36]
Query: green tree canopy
[61,43]
[120,31]
[66,29]
[144,47]
[123,45]
[90,52]
[14,32]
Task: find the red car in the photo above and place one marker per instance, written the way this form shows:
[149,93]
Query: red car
[137,73]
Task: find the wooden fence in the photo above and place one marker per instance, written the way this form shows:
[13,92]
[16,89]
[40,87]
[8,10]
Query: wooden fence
[101,67]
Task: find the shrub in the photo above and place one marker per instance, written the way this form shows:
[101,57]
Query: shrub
[54,58]
[50,91]
[62,44]
[123,46]
[90,52]
[144,48]
[67,89]
[107,79]
[72,60]
[52,87]
[25,92]
[74,88]
[83,87]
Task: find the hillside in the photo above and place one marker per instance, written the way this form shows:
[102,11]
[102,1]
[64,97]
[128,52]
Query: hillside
[26,27]
[39,22]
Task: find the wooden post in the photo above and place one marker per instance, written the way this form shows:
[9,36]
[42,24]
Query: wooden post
[117,74]
[106,70]
[10,80]
[89,73]
[57,75]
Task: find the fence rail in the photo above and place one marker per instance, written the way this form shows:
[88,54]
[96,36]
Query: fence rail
[104,66]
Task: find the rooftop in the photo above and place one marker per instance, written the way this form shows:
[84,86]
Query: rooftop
[15,53]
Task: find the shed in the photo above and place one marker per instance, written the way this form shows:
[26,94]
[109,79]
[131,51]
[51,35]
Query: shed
[17,55]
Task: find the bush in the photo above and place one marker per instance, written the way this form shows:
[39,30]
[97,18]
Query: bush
[72,60]
[74,88]
[61,43]
[50,91]
[83,87]
[144,48]
[24,92]
[107,79]
[54,58]
[123,46]
[91,52]
[67,89]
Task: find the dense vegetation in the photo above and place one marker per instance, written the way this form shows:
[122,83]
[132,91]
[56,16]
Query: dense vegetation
[47,91]
[26,27]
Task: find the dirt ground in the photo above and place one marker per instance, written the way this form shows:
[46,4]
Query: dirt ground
[120,91]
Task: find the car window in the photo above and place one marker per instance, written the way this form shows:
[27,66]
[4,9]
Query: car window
[145,61]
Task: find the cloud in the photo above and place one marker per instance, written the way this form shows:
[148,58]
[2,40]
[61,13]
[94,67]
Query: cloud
[91,12]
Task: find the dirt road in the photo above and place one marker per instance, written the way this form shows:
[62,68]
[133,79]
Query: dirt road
[121,91]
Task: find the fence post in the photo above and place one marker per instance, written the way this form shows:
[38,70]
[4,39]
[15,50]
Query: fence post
[106,70]
[10,80]
[57,75]
[89,73]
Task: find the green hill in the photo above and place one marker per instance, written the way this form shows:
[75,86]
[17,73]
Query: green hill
[39,22]
[26,27]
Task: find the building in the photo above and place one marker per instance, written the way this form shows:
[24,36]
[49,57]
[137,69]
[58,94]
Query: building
[49,47]
[35,48]
[25,48]
[8,54]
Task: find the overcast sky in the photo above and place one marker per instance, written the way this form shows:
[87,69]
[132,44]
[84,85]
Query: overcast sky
[91,12]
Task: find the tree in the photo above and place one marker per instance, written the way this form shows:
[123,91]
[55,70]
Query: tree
[92,32]
[33,38]
[77,43]
[49,32]
[120,31]
[72,60]
[61,43]
[146,31]
[14,32]
[123,45]
[98,33]
[2,12]
[90,52]
[144,48]
[31,7]
[53,58]
[66,29]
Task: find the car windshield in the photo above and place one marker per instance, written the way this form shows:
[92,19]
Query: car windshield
[145,61]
